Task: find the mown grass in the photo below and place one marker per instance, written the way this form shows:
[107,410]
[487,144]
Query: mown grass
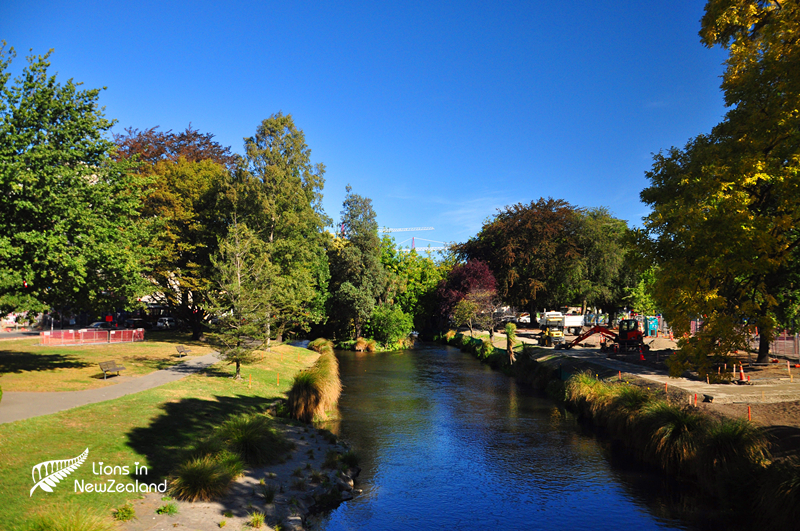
[156,428]
[25,366]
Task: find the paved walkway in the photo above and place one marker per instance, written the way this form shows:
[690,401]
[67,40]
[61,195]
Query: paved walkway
[24,405]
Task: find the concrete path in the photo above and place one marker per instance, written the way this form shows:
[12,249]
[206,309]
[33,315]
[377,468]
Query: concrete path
[24,405]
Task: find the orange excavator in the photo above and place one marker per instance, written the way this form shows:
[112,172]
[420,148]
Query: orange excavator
[628,338]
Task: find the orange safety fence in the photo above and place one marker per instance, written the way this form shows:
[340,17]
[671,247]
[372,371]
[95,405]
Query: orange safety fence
[90,336]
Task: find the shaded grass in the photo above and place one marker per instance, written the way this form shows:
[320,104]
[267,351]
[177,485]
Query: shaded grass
[25,366]
[157,428]
[69,517]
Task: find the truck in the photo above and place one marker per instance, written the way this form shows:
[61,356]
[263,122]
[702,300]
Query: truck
[572,324]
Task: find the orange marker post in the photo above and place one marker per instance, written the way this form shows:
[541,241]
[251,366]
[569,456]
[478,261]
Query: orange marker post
[695,400]
[748,413]
[279,379]
[250,382]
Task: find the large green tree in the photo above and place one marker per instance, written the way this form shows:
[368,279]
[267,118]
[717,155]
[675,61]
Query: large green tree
[725,207]
[533,251]
[357,275]
[71,233]
[277,192]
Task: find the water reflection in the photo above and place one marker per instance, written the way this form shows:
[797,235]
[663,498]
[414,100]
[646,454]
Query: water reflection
[445,442]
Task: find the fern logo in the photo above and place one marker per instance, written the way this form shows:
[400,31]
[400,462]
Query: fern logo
[55,471]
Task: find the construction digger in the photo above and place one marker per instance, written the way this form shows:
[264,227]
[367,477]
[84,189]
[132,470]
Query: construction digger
[552,326]
[630,337]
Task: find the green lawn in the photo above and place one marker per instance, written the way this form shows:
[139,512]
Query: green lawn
[152,427]
[25,366]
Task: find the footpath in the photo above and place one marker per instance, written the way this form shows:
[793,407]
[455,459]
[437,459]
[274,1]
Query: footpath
[25,405]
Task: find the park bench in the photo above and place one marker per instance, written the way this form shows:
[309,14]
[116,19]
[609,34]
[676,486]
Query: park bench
[110,366]
[182,350]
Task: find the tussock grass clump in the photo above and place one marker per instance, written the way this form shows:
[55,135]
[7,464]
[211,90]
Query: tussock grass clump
[320,342]
[485,349]
[625,408]
[349,459]
[779,496]
[372,345]
[730,456]
[675,434]
[450,335]
[62,517]
[316,390]
[204,479]
[253,438]
[361,344]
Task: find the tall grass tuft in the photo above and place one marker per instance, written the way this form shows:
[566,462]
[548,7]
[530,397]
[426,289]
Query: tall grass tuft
[625,409]
[315,390]
[372,345]
[204,478]
[361,344]
[733,450]
[62,517]
[780,494]
[320,342]
[253,438]
[675,434]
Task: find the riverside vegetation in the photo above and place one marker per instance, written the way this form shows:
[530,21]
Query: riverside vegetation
[727,459]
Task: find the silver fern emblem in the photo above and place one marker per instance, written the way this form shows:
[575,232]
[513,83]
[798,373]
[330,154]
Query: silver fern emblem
[55,471]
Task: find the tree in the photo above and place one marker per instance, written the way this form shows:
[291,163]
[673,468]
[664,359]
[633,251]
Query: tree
[357,276]
[238,300]
[70,229]
[389,324]
[278,193]
[463,279]
[533,251]
[477,310]
[152,146]
[640,297]
[411,281]
[725,207]
[601,277]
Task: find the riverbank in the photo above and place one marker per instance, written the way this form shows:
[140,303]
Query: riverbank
[711,446]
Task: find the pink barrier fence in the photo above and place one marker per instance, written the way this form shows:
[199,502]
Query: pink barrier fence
[88,337]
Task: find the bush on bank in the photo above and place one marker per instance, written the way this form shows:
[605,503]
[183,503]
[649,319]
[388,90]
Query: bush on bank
[317,389]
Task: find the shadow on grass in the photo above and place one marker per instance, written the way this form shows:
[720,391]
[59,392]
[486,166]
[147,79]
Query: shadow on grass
[18,362]
[182,424]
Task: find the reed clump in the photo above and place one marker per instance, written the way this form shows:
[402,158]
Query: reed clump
[320,342]
[361,344]
[317,389]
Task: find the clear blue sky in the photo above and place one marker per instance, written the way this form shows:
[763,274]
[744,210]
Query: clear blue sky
[440,112]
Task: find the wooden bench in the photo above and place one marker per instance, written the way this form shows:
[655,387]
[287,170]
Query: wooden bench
[182,350]
[110,366]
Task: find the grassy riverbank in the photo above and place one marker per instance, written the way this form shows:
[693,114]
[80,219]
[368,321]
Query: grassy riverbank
[728,460]
[154,428]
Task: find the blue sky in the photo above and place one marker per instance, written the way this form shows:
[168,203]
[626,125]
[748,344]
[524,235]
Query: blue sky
[440,112]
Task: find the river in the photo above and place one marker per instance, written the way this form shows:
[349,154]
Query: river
[446,443]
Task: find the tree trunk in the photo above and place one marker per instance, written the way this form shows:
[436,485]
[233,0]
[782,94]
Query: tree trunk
[238,371]
[763,348]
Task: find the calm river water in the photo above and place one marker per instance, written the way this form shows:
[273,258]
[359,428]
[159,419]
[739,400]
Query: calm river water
[447,443]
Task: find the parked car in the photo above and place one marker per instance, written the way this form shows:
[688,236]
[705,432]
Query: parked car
[106,325]
[166,323]
[138,323]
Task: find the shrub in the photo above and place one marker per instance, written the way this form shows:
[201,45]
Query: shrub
[253,438]
[389,324]
[731,450]
[124,513]
[319,343]
[204,478]
[315,390]
[69,518]
[675,434]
